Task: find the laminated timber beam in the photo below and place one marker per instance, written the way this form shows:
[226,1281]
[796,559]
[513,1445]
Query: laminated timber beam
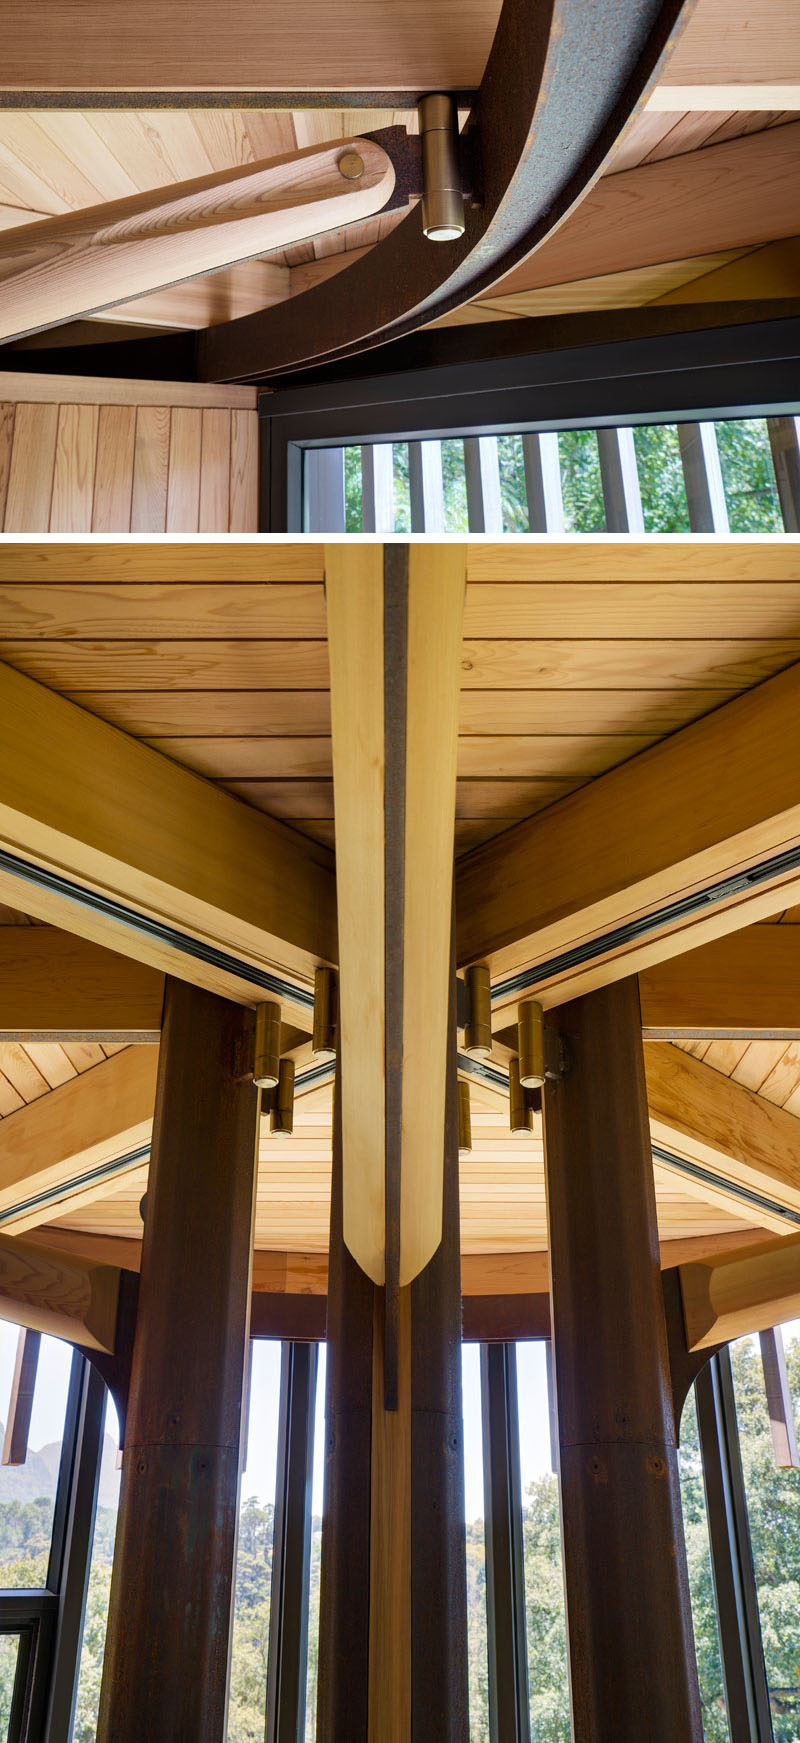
[731,1294]
[63,1294]
[724,1131]
[694,838]
[108,838]
[745,985]
[56,1153]
[56,985]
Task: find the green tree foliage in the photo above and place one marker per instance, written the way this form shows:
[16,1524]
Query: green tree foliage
[748,477]
[774,1504]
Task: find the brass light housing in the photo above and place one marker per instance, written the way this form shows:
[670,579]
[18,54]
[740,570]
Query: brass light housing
[268,1046]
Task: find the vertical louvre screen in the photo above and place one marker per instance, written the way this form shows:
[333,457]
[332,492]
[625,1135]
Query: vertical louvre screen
[740,475]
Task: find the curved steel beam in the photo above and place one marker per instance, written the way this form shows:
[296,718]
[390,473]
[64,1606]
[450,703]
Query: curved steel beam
[562,80]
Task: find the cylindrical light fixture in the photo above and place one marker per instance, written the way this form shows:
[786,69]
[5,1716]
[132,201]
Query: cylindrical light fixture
[520,1115]
[323,1039]
[281,1112]
[464,1119]
[268,1046]
[478,1031]
[531,1044]
[442,198]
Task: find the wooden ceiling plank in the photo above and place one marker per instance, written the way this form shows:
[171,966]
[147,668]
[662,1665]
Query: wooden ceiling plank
[708,802]
[743,985]
[738,194]
[530,609]
[107,812]
[168,611]
[285,670]
[698,1114]
[95,1118]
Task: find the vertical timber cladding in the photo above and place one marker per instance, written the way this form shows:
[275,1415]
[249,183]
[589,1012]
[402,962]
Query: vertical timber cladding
[166,1658]
[629,1620]
[393,1582]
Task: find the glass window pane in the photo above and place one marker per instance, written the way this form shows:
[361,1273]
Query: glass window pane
[250,1646]
[748,476]
[28,1492]
[9,1655]
[582,490]
[773,1505]
[513,494]
[353,499]
[548,1687]
[454,486]
[317,1486]
[661,481]
[94,1627]
[402,489]
[477,1649]
[701,1583]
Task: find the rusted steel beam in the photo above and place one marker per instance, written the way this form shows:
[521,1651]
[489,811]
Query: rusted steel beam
[166,1657]
[561,83]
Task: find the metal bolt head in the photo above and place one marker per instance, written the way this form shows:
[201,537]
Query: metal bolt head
[351,166]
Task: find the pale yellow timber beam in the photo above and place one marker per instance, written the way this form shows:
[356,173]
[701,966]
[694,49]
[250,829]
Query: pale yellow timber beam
[69,266]
[296,1272]
[182,860]
[53,1152]
[56,986]
[394,637]
[62,1294]
[720,1126]
[597,872]
[745,985]
[732,1294]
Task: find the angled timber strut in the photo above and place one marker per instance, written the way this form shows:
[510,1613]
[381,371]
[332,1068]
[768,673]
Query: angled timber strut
[399,947]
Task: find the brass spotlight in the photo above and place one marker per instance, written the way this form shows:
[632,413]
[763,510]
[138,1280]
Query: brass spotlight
[464,1120]
[531,1044]
[478,1030]
[281,1111]
[323,1039]
[268,1046]
[442,197]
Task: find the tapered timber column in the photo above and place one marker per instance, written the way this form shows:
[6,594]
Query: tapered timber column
[166,1657]
[631,1647]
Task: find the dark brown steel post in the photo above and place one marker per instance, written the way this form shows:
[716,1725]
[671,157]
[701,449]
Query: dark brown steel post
[632,1659]
[166,1657]
[343,1676]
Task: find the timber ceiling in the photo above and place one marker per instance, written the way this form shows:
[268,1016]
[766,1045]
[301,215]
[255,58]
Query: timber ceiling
[576,657]
[704,177]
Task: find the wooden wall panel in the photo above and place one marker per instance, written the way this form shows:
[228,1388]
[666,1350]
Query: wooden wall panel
[79,457]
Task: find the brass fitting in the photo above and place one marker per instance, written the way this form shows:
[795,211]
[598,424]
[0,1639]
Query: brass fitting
[478,1031]
[268,1046]
[464,1119]
[281,1112]
[520,1114]
[530,1030]
[323,1039]
[442,199]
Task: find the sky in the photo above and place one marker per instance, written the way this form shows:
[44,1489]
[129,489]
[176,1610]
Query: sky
[259,1477]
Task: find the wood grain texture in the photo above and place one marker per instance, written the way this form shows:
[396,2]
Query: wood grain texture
[732,1294]
[59,1294]
[74,264]
[117,823]
[55,985]
[738,194]
[743,985]
[711,797]
[79,465]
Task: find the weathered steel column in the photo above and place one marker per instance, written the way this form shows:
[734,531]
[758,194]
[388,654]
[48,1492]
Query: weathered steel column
[631,1645]
[166,1657]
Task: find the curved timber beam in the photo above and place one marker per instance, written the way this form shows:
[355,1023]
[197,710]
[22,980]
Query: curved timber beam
[560,86]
